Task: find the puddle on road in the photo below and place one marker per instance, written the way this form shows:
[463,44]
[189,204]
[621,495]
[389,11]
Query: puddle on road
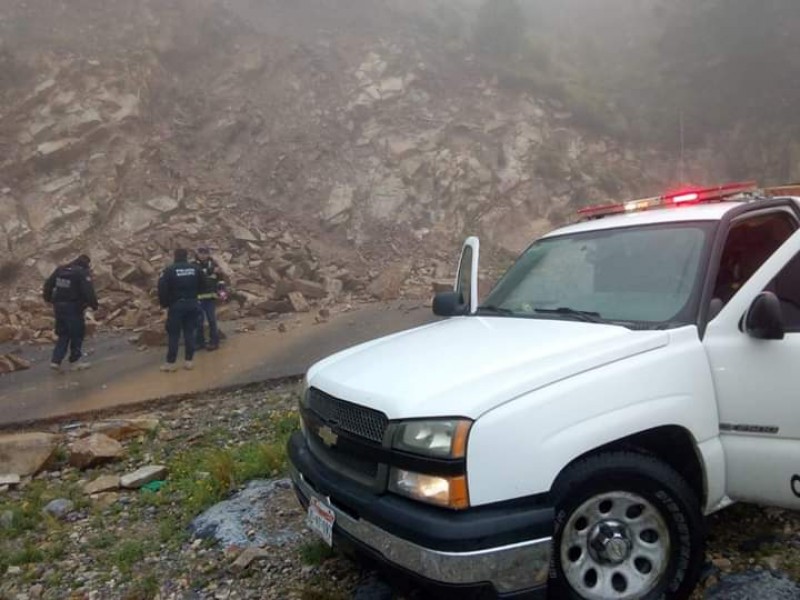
[122,375]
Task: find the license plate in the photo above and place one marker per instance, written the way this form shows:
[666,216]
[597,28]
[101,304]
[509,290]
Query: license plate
[320,520]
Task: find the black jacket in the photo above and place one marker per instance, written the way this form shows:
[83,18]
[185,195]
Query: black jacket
[71,283]
[213,281]
[179,281]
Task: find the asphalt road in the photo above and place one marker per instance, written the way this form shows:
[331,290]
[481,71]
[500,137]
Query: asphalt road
[121,375]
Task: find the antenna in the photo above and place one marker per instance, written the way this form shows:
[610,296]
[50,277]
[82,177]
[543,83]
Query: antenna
[681,173]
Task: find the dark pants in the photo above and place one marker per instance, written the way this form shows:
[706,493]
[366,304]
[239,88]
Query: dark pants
[70,329]
[208,311]
[181,317]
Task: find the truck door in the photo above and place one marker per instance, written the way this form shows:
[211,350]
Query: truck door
[757,381]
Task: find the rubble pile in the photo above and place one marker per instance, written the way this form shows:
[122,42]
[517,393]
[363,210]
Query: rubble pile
[326,153]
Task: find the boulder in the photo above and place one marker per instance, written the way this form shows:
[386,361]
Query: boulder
[11,362]
[243,234]
[269,274]
[245,520]
[392,86]
[333,287]
[275,306]
[309,289]
[10,480]
[7,333]
[387,197]
[340,202]
[26,453]
[59,152]
[298,302]
[59,508]
[763,585]
[163,204]
[93,450]
[388,284]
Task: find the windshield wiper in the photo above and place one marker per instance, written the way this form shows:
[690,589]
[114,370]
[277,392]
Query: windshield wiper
[580,315]
[495,310]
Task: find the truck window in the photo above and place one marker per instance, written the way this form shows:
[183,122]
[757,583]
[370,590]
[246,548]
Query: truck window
[787,287]
[751,241]
[640,277]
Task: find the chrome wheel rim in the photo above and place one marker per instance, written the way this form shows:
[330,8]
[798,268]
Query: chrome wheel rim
[615,546]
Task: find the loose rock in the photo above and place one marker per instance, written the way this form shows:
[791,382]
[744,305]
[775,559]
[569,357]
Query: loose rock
[26,453]
[103,483]
[230,522]
[93,450]
[762,585]
[142,476]
[59,508]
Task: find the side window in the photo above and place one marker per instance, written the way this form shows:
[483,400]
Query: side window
[751,241]
[787,287]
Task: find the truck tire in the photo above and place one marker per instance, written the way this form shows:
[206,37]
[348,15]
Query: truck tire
[627,527]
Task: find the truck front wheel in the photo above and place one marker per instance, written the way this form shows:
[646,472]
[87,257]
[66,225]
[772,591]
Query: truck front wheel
[627,527]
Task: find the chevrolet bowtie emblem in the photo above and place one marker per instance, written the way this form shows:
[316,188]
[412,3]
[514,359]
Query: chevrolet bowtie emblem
[328,437]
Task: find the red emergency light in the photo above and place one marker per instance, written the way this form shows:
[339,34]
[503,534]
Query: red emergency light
[679,198]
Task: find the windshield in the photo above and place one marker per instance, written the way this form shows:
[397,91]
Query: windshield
[640,277]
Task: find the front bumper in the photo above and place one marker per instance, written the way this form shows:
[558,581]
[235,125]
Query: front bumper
[517,569]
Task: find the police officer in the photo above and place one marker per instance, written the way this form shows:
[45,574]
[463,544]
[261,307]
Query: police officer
[208,300]
[70,290]
[178,287]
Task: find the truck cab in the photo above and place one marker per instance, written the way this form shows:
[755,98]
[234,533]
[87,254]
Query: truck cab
[566,436]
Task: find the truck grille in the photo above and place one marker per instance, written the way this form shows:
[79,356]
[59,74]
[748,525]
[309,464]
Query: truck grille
[355,467]
[352,418]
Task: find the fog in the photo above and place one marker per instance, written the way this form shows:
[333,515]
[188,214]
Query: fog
[423,119]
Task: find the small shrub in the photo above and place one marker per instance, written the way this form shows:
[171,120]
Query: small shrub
[29,554]
[222,466]
[128,554]
[144,588]
[103,540]
[315,553]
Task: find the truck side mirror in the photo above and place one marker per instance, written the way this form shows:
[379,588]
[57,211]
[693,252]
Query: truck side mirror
[764,320]
[449,304]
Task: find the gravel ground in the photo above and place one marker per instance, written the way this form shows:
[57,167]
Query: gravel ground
[137,544]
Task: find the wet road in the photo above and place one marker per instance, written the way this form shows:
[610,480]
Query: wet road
[121,375]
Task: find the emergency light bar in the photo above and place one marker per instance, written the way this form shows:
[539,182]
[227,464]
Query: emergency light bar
[680,198]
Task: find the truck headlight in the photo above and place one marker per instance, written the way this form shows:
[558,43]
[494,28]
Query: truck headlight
[446,438]
[449,492]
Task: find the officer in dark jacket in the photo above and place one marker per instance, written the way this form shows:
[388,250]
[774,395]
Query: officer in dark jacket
[69,289]
[178,287]
[208,300]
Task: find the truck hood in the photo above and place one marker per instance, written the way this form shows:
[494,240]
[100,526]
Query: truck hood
[467,366]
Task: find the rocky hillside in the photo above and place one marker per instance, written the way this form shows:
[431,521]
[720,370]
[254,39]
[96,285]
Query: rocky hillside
[314,140]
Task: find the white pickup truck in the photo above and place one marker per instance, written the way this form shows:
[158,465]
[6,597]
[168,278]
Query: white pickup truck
[565,438]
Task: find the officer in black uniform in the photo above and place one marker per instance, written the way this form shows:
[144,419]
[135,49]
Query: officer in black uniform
[69,289]
[178,287]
